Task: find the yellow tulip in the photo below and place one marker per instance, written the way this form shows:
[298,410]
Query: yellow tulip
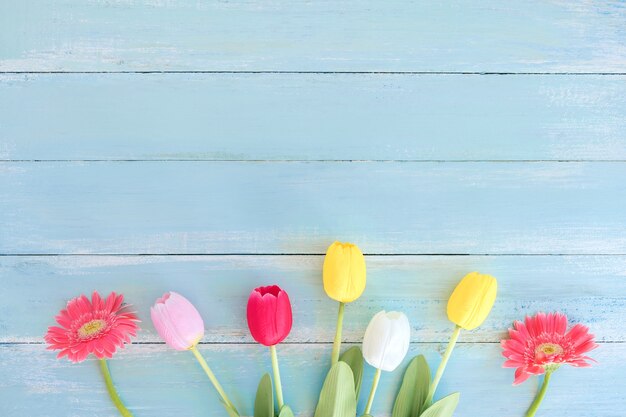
[344,272]
[472,299]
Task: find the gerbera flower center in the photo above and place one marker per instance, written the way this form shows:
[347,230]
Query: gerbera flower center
[91,328]
[549,349]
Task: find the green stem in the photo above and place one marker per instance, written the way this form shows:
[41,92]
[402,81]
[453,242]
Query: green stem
[442,365]
[279,387]
[542,393]
[212,378]
[111,389]
[337,342]
[370,399]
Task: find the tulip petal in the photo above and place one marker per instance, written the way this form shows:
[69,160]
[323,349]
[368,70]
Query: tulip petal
[472,300]
[386,340]
[344,272]
[177,321]
[269,315]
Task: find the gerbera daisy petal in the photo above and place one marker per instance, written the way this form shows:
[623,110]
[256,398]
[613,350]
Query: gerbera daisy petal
[81,354]
[72,310]
[521,331]
[110,302]
[96,301]
[93,326]
[513,356]
[560,323]
[577,331]
[63,353]
[539,323]
[520,376]
[84,304]
[585,347]
[542,341]
[513,345]
[64,319]
[512,364]
[118,302]
[535,369]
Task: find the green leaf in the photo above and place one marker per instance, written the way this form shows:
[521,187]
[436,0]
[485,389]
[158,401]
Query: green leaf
[354,358]
[444,407]
[285,412]
[338,397]
[264,401]
[414,389]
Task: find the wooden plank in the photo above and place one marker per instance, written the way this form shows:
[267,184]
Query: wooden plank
[312,117]
[155,381]
[588,289]
[283,35]
[257,208]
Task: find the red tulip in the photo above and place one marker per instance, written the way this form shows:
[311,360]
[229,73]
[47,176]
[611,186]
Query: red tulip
[269,315]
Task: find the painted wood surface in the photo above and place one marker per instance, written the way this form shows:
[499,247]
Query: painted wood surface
[220,286]
[148,146]
[76,35]
[312,117]
[159,383]
[295,207]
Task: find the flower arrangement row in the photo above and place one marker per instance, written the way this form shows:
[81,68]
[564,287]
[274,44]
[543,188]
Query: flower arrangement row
[537,346]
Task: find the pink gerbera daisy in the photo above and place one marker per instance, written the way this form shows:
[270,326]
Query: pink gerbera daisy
[542,344]
[97,326]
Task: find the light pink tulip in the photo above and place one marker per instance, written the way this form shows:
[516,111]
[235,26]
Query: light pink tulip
[177,321]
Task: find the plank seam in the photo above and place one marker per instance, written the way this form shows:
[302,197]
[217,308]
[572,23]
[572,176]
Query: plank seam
[301,254]
[547,73]
[269,161]
[298,254]
[604,342]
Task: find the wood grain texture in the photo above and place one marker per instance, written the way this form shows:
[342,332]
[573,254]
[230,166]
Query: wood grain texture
[207,148]
[246,207]
[35,288]
[312,117]
[159,382]
[76,35]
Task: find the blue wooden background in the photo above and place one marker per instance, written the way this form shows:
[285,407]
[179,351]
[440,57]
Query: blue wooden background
[210,147]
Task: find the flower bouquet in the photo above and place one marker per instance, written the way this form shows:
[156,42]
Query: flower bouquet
[538,346]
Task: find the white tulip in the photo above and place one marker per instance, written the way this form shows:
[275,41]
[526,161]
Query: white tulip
[386,340]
